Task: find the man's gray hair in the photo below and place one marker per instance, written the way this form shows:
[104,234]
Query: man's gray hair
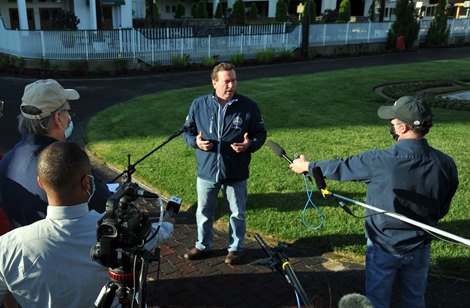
[34,126]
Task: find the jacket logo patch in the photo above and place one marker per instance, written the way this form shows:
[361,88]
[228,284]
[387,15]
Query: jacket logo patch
[237,122]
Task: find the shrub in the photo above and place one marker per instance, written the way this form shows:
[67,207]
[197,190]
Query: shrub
[65,20]
[78,67]
[238,12]
[405,25]
[438,32]
[219,10]
[201,10]
[253,12]
[237,59]
[209,61]
[265,56]
[281,11]
[180,61]
[180,10]
[45,64]
[152,14]
[286,54]
[344,12]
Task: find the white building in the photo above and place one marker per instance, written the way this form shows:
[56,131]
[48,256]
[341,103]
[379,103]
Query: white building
[114,14]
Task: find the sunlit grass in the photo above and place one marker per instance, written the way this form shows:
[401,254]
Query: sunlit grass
[323,116]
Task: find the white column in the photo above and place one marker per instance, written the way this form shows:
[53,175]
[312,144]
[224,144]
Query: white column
[272,8]
[93,23]
[328,4]
[22,14]
[37,19]
[230,4]
[214,7]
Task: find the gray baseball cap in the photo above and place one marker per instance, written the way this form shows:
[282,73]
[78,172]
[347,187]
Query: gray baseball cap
[408,109]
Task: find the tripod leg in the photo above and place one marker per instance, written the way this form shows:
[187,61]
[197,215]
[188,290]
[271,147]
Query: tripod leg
[106,296]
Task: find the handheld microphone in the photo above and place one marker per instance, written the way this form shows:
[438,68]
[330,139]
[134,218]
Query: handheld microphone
[276,148]
[173,206]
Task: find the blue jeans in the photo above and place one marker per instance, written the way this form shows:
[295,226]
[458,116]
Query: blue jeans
[235,195]
[411,270]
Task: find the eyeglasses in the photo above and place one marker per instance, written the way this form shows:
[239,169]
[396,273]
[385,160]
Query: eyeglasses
[71,112]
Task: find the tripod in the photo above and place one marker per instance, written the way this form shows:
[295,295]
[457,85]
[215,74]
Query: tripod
[123,285]
[278,261]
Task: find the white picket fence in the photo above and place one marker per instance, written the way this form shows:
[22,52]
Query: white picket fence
[158,46]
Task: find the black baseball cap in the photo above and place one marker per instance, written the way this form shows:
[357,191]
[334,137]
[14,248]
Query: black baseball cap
[409,109]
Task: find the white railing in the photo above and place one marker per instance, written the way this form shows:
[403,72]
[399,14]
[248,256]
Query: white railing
[158,46]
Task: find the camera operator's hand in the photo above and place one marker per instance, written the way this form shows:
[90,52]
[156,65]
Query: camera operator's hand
[203,144]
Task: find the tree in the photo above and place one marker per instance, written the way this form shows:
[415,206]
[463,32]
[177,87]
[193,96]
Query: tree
[201,11]
[438,32]
[372,11]
[219,10]
[281,11]
[152,14]
[344,12]
[313,11]
[65,20]
[194,10]
[406,24]
[238,12]
[253,12]
[180,10]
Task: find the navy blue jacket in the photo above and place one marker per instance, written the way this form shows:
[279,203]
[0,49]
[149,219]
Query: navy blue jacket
[23,201]
[224,126]
[410,178]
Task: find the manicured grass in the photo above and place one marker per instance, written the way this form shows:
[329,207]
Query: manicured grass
[322,115]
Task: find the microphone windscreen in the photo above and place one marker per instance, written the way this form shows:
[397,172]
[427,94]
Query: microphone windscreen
[276,148]
[319,179]
[354,300]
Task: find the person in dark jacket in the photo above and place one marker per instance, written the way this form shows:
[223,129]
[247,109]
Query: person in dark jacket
[411,178]
[224,128]
[45,117]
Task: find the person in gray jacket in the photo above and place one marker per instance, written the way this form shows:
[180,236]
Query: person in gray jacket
[410,178]
[224,128]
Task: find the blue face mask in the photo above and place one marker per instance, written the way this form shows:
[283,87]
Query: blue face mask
[92,187]
[68,131]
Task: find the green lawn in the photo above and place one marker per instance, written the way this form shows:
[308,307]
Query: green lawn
[322,115]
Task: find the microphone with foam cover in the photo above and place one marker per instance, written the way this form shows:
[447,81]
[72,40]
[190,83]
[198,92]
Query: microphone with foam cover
[276,148]
[354,300]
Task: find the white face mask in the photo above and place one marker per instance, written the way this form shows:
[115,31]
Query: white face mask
[68,131]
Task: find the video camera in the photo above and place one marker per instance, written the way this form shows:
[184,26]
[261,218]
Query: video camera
[125,226]
[122,234]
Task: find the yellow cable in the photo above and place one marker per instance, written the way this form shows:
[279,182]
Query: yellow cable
[284,265]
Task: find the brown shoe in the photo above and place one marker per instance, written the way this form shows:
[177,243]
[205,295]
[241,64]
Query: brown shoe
[233,257]
[194,254]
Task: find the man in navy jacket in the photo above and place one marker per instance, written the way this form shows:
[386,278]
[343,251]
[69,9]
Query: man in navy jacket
[411,178]
[225,128]
[46,117]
